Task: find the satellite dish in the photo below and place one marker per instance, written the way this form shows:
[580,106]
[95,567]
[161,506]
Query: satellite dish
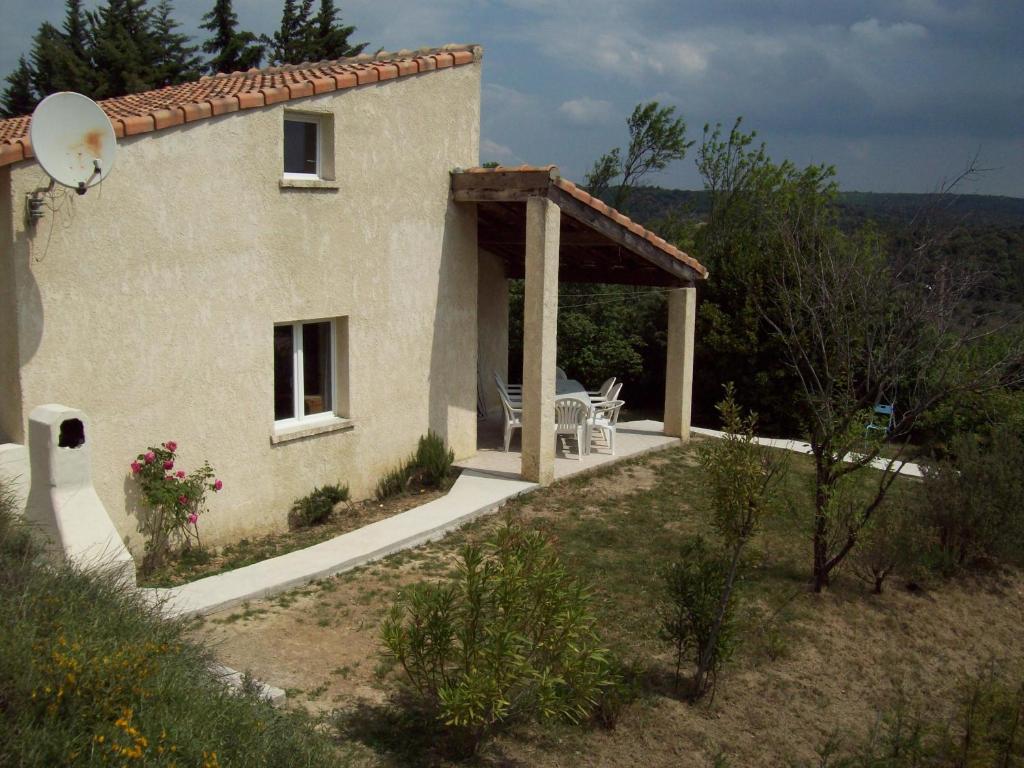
[73,140]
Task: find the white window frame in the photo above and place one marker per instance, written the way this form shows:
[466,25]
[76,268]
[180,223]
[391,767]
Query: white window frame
[300,419]
[305,117]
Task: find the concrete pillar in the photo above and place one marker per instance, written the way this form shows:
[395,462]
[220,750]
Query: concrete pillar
[540,336]
[682,317]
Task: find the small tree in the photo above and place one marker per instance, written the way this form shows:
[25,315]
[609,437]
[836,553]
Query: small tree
[656,138]
[692,619]
[743,477]
[857,325]
[510,637]
[894,540]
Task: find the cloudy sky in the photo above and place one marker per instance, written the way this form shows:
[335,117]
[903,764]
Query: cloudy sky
[897,94]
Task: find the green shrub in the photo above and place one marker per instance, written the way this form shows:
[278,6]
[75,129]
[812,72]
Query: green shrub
[316,508]
[90,674]
[975,499]
[511,637]
[986,731]
[434,460]
[397,480]
[896,539]
[694,586]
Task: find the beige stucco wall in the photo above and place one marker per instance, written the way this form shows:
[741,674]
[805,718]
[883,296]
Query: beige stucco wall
[150,302]
[492,313]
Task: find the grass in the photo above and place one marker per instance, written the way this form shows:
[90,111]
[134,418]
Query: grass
[806,667]
[92,675]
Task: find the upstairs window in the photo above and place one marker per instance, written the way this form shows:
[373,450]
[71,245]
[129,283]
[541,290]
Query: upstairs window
[302,146]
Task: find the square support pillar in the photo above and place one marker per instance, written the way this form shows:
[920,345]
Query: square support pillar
[540,337]
[682,318]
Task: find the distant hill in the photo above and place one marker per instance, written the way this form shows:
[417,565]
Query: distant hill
[647,204]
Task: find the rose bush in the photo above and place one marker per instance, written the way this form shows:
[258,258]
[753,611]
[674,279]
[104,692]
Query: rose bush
[174,499]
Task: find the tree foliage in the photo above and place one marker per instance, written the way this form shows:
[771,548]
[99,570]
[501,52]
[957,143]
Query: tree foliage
[656,138]
[127,46]
[123,46]
[302,36]
[229,48]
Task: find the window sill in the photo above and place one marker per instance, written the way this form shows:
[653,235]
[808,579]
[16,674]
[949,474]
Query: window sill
[309,184]
[319,427]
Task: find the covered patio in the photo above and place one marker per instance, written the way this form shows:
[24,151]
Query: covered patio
[545,229]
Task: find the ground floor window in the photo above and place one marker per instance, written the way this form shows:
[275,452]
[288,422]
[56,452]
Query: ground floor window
[304,371]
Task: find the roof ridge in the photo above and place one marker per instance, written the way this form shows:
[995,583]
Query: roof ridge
[213,95]
[361,58]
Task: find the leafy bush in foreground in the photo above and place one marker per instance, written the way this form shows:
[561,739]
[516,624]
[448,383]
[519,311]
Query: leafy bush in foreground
[91,675]
[511,637]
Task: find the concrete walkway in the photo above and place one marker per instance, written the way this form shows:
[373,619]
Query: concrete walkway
[798,446]
[473,494]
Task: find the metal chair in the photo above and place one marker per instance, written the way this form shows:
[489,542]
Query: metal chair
[883,419]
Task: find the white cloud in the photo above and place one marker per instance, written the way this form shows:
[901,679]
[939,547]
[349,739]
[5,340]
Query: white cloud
[492,150]
[586,111]
[875,32]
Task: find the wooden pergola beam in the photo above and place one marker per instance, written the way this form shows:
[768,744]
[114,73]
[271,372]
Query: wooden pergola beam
[583,226]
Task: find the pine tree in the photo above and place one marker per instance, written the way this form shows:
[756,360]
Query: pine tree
[230,50]
[75,60]
[124,47]
[330,36]
[19,98]
[288,43]
[177,61]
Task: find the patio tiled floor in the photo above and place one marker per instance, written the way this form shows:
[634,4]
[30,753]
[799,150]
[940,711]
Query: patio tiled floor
[634,438]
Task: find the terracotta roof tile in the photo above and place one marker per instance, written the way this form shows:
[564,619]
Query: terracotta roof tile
[222,93]
[599,205]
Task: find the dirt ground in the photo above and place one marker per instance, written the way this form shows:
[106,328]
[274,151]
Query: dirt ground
[838,659]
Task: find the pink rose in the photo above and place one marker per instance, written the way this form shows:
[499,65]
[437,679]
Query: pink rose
[171,446]
[149,456]
[180,474]
[183,499]
[217,485]
[168,464]
[136,467]
[192,518]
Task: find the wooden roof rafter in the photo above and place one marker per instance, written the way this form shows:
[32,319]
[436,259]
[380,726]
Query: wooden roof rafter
[598,244]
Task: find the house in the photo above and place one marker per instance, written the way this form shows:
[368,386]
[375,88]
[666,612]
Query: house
[296,272]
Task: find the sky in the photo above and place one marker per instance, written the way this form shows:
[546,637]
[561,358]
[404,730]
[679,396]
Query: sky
[898,95]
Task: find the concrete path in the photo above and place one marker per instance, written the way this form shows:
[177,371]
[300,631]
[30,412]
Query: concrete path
[473,494]
[798,446]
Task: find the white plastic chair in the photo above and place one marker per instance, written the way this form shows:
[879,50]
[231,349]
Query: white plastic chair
[560,374]
[513,392]
[605,420]
[602,394]
[571,416]
[513,416]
